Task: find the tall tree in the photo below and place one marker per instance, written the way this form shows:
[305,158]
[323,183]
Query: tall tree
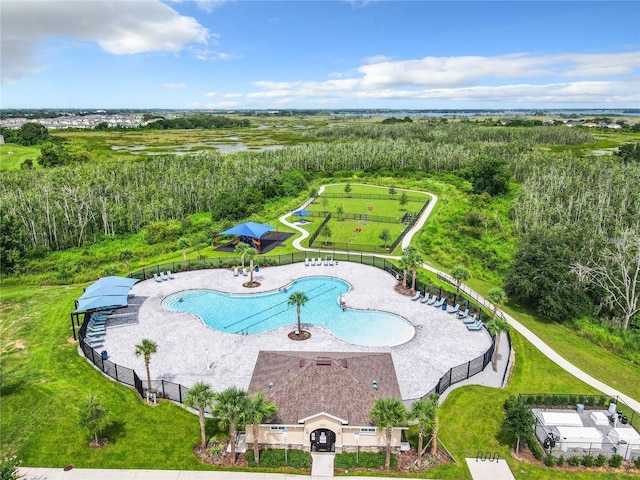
[231,411]
[146,348]
[92,416]
[326,233]
[489,175]
[126,256]
[413,260]
[392,192]
[200,396]
[496,326]
[251,253]
[404,199]
[497,297]
[241,249]
[258,411]
[425,413]
[388,413]
[183,244]
[385,236]
[347,189]
[616,270]
[518,419]
[299,299]
[460,275]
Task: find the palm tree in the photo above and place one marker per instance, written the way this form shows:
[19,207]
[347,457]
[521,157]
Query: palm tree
[388,413]
[251,254]
[423,413]
[497,296]
[183,244]
[433,399]
[298,299]
[411,259]
[259,410]
[459,274]
[200,396]
[146,348]
[241,249]
[126,256]
[496,327]
[404,264]
[231,410]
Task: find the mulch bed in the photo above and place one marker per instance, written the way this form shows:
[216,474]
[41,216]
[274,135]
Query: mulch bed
[304,335]
[101,443]
[526,456]
[251,285]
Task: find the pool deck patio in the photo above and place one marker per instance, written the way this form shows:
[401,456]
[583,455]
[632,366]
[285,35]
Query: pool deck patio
[189,351]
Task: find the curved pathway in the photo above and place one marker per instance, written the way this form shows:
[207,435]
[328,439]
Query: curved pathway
[524,331]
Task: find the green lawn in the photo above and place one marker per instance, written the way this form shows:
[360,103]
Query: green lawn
[12,155]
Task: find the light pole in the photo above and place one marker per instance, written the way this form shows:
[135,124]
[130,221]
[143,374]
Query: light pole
[357,435]
[284,436]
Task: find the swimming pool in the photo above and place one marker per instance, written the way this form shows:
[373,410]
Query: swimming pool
[262,312]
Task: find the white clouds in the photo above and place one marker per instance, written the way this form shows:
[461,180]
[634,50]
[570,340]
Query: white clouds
[515,78]
[118,27]
[176,86]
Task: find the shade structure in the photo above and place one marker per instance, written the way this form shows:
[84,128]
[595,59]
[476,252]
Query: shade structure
[302,212]
[112,281]
[95,303]
[105,291]
[249,229]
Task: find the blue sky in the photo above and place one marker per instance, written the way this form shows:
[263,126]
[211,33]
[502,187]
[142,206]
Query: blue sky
[319,54]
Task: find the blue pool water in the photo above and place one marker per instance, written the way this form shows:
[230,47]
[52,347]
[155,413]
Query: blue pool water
[261,312]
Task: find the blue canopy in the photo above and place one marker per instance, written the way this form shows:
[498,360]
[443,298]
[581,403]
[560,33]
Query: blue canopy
[105,291]
[302,212]
[249,229]
[112,282]
[95,303]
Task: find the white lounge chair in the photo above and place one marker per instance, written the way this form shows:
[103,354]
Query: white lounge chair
[163,276]
[306,262]
[426,297]
[476,326]
[470,320]
[313,262]
[432,300]
[416,296]
[463,314]
[440,303]
[170,275]
[235,271]
[157,278]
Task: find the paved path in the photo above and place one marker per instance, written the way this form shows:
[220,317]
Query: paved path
[498,470]
[524,331]
[322,466]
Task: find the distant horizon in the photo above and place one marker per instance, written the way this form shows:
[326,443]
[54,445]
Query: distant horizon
[320,55]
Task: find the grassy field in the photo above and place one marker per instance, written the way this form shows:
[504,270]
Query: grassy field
[12,155]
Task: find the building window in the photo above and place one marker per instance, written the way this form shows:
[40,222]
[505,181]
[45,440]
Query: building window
[368,430]
[277,428]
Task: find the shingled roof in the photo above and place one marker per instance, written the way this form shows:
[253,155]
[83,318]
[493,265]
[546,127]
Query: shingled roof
[340,383]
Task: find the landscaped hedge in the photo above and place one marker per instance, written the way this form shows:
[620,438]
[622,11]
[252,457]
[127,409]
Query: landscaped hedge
[364,460]
[275,458]
[550,400]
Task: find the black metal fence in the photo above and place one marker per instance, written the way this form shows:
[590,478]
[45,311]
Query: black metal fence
[314,235]
[176,392]
[375,196]
[366,217]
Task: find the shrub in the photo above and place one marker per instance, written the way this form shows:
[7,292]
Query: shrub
[216,449]
[616,460]
[561,460]
[600,460]
[638,462]
[275,458]
[588,460]
[574,460]
[365,460]
[535,447]
[550,461]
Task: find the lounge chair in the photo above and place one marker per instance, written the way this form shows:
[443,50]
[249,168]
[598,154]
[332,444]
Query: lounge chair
[235,271]
[157,278]
[95,336]
[440,302]
[476,326]
[331,262]
[96,328]
[416,296]
[306,262]
[426,297]
[313,262]
[470,320]
[432,300]
[170,275]
[464,314]
[95,343]
[97,323]
[455,309]
[163,276]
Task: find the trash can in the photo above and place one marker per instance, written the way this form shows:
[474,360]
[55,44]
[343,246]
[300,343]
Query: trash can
[444,306]
[580,407]
[623,449]
[104,355]
[257,269]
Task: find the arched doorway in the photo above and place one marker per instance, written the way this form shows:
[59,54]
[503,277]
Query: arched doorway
[322,440]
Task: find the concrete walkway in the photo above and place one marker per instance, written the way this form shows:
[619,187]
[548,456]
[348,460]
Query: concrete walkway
[524,331]
[322,465]
[498,470]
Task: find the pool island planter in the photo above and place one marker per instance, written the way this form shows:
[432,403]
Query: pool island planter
[303,335]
